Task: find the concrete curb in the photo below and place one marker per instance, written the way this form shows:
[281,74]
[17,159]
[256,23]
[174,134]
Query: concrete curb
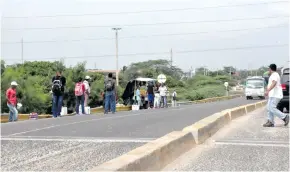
[157,154]
[153,155]
[22,117]
[206,127]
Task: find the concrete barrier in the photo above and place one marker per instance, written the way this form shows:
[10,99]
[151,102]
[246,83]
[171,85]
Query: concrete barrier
[118,109]
[157,154]
[152,156]
[206,127]
[251,107]
[22,117]
[259,105]
[238,112]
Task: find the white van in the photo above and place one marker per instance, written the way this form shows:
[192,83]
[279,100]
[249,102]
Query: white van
[255,87]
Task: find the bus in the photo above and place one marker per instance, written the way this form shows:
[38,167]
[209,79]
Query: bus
[255,87]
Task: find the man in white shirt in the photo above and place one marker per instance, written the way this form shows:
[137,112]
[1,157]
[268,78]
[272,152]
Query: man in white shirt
[163,91]
[87,89]
[275,94]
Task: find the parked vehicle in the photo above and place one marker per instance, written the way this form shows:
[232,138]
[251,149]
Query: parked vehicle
[284,103]
[129,93]
[255,87]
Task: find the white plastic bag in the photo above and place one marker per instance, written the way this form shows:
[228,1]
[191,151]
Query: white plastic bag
[63,111]
[87,110]
[135,107]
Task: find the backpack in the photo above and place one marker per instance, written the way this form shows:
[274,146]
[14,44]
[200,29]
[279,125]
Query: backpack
[79,89]
[56,86]
[109,85]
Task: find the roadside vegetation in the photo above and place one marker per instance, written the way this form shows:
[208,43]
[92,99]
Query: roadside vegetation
[34,79]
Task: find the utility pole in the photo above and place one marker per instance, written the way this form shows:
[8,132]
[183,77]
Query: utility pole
[230,72]
[22,51]
[117,60]
[171,58]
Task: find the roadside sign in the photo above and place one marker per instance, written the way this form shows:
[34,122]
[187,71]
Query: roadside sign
[161,78]
[226,84]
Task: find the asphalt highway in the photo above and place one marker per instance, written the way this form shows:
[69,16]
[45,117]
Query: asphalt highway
[82,142]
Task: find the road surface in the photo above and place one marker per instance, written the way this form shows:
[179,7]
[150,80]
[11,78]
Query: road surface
[244,145]
[82,142]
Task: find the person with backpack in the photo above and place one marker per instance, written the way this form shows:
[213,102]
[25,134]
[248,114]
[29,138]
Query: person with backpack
[80,96]
[58,85]
[110,94]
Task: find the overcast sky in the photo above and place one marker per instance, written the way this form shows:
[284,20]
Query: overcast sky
[191,48]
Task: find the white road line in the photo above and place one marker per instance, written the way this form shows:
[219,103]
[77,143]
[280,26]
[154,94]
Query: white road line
[78,122]
[80,140]
[86,121]
[252,141]
[72,137]
[252,144]
[33,159]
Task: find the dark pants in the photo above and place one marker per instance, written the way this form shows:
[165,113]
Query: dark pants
[56,105]
[110,100]
[80,100]
[151,100]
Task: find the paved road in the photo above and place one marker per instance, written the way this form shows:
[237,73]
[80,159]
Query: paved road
[82,142]
[244,145]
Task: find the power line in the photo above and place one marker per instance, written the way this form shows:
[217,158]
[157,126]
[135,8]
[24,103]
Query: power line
[145,36]
[159,53]
[146,11]
[148,24]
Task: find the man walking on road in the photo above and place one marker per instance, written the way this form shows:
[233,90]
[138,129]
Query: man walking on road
[58,84]
[12,102]
[275,93]
[110,95]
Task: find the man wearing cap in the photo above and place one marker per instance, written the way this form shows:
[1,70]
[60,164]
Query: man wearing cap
[275,93]
[12,101]
[87,89]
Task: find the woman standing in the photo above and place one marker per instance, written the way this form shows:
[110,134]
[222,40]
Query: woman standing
[79,93]
[87,90]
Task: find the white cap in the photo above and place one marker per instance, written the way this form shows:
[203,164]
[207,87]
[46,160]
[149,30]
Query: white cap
[87,77]
[14,83]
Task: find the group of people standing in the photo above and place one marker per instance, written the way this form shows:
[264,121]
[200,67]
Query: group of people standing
[157,95]
[81,91]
